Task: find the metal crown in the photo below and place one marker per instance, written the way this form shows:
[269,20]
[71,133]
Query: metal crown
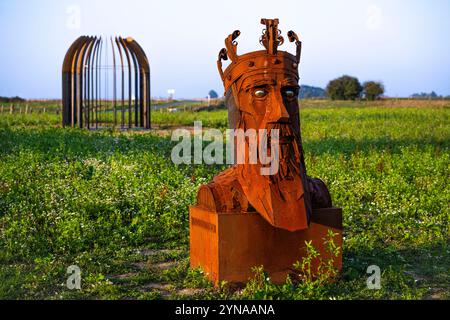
[269,60]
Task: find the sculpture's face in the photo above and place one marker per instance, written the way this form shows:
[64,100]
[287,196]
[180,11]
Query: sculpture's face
[270,101]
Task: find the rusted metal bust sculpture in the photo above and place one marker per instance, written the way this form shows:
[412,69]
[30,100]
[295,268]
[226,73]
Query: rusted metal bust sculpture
[228,231]
[262,93]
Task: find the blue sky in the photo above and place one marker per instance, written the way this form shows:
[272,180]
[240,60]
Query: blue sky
[403,43]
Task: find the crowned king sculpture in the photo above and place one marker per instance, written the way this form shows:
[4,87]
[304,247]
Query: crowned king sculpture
[244,218]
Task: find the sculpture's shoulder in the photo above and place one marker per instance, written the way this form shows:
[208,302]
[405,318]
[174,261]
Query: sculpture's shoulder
[223,194]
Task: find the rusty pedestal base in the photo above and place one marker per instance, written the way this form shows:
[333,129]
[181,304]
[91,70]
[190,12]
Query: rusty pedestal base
[227,245]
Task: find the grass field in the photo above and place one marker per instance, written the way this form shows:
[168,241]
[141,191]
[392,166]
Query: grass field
[113,204]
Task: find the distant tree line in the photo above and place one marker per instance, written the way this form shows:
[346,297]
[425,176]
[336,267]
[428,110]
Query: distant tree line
[307,92]
[349,88]
[431,95]
[11,100]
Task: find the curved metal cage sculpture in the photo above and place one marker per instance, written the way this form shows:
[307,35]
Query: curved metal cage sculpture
[87,78]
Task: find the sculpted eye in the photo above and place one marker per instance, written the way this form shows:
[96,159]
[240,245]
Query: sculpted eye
[260,93]
[289,93]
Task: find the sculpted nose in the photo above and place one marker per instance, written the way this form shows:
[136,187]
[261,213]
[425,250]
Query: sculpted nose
[279,112]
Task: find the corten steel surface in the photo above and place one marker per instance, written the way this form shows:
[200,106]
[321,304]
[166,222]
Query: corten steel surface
[261,92]
[85,84]
[227,245]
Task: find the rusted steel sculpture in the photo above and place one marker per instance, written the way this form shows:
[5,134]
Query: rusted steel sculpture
[86,100]
[243,218]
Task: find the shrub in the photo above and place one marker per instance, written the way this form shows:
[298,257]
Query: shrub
[373,90]
[344,88]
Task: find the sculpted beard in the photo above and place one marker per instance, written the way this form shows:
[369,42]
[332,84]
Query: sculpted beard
[289,153]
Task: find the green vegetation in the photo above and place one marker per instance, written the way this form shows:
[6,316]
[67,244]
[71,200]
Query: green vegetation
[113,203]
[212,119]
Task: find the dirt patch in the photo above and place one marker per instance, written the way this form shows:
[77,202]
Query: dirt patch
[153,252]
[190,291]
[141,265]
[163,265]
[158,286]
[164,289]
[418,279]
[146,265]
[435,294]
[124,276]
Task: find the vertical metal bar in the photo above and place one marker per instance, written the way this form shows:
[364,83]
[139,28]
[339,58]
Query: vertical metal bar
[88,82]
[114,83]
[129,81]
[74,91]
[80,83]
[85,91]
[79,74]
[99,66]
[82,68]
[145,78]
[123,84]
[149,101]
[136,90]
[77,88]
[136,81]
[67,81]
[73,84]
[105,66]
[138,60]
[96,86]
[96,82]
[92,82]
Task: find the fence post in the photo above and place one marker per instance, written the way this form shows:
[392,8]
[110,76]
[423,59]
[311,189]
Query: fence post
[26,108]
[44,110]
[11,108]
[2,108]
